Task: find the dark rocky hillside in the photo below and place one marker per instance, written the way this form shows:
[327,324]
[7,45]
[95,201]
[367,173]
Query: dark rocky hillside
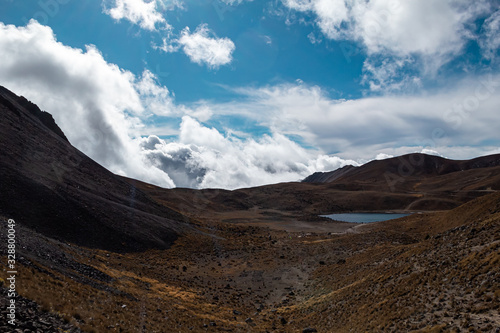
[52,187]
[410,165]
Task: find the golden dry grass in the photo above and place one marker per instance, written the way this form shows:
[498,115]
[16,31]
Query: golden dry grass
[427,273]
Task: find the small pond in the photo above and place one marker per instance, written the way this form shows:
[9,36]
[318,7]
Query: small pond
[364,217]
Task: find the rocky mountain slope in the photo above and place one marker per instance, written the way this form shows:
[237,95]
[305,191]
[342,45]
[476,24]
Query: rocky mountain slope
[50,186]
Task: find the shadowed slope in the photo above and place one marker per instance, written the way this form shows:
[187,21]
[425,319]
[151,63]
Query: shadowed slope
[394,172]
[55,189]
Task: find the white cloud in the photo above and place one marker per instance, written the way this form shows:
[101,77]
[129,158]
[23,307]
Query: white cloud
[204,157]
[401,28]
[490,43]
[430,152]
[201,46]
[96,103]
[441,120]
[145,13]
[313,39]
[201,111]
[424,27]
[156,98]
[234,2]
[383,156]
[428,32]
[390,75]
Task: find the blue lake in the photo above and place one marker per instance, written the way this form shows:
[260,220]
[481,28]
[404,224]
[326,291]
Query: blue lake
[364,217]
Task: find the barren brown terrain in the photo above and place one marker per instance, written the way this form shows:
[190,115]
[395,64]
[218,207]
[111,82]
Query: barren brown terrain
[100,253]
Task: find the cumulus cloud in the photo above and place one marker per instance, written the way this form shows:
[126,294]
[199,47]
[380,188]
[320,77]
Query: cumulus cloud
[97,104]
[430,32]
[204,157]
[202,46]
[145,13]
[399,27]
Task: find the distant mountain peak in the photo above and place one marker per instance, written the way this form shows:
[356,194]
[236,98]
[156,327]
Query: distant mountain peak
[409,165]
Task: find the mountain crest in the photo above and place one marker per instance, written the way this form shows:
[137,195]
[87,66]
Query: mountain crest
[14,102]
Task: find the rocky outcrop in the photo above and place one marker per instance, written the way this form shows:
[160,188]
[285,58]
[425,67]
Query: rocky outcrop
[30,317]
[14,102]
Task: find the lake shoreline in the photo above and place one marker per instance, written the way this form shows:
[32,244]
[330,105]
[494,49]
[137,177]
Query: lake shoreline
[364,217]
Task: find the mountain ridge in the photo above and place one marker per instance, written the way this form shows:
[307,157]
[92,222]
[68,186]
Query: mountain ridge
[409,164]
[9,99]
[52,187]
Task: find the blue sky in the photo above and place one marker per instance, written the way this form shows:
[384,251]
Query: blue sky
[264,45]
[234,93]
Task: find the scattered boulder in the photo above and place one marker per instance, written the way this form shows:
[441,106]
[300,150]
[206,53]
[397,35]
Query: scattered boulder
[30,317]
[309,330]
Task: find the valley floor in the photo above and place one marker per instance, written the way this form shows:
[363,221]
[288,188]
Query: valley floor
[435,272]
